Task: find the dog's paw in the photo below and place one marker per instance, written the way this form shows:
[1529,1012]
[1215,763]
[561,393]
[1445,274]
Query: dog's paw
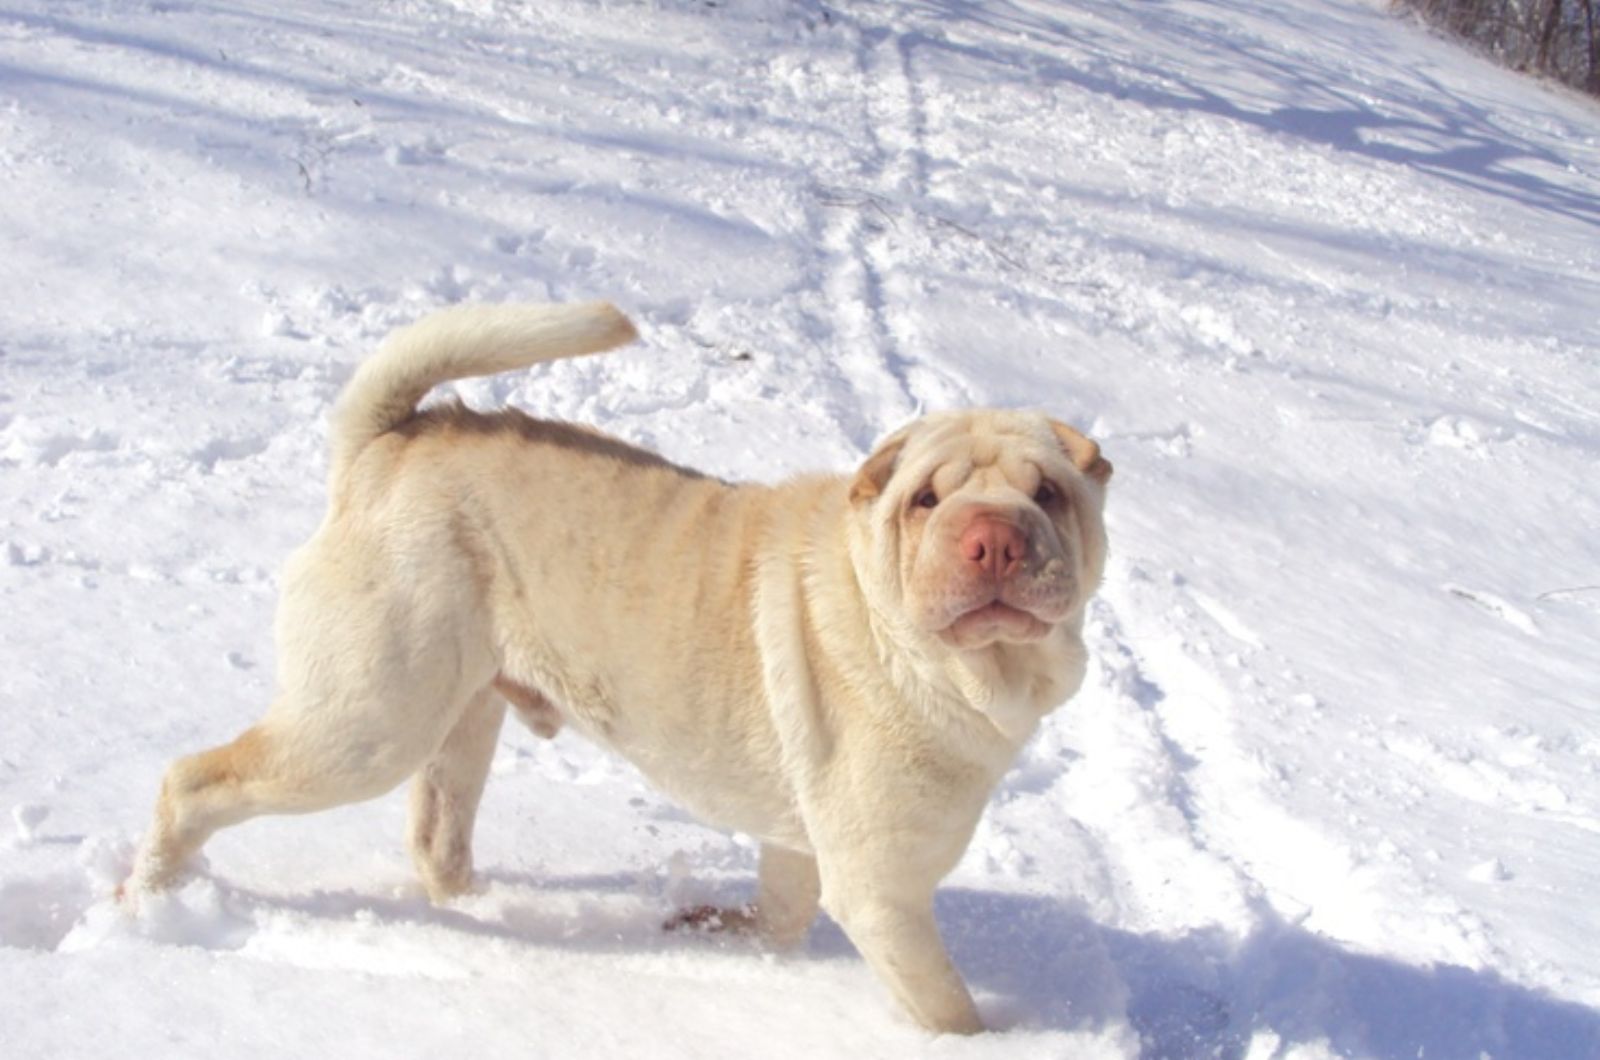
[148,874]
[713,919]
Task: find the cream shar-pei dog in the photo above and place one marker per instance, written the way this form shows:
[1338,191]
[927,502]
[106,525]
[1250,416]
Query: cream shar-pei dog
[841,666]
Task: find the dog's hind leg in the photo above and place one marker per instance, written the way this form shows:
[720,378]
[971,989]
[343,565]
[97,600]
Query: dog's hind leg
[286,764]
[341,731]
[383,642]
[445,794]
[200,794]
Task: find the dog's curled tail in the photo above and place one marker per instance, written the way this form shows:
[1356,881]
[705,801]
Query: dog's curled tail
[456,343]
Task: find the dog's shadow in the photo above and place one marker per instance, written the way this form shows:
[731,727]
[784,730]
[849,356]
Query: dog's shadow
[1036,963]
[1207,993]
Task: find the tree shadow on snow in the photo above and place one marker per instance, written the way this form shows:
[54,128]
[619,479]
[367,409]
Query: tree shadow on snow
[1224,66]
[1205,994]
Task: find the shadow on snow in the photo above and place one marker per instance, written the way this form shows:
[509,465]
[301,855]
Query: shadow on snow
[1038,964]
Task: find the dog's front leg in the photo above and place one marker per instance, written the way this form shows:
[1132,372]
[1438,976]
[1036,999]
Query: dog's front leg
[896,933]
[786,902]
[788,896]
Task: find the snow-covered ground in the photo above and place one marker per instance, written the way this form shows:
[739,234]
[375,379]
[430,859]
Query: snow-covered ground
[1326,288]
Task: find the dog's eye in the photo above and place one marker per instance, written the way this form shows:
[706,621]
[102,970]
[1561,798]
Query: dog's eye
[926,499]
[1046,494]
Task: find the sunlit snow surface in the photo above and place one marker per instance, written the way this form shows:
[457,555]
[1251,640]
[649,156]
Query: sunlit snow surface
[1326,288]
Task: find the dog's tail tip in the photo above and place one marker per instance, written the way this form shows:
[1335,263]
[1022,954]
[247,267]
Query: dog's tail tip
[614,326]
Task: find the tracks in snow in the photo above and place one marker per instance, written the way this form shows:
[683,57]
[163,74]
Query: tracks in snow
[858,228]
[1198,807]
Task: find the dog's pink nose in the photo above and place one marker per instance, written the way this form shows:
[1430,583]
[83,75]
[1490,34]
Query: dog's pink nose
[995,546]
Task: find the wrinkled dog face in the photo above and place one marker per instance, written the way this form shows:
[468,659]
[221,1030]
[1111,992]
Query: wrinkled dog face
[984,526]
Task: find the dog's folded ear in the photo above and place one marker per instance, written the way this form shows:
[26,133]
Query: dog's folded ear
[1083,451]
[875,473]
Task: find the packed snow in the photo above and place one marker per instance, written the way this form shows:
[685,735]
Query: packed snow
[1325,287]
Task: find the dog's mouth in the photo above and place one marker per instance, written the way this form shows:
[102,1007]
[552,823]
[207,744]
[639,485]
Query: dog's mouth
[994,621]
[968,611]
